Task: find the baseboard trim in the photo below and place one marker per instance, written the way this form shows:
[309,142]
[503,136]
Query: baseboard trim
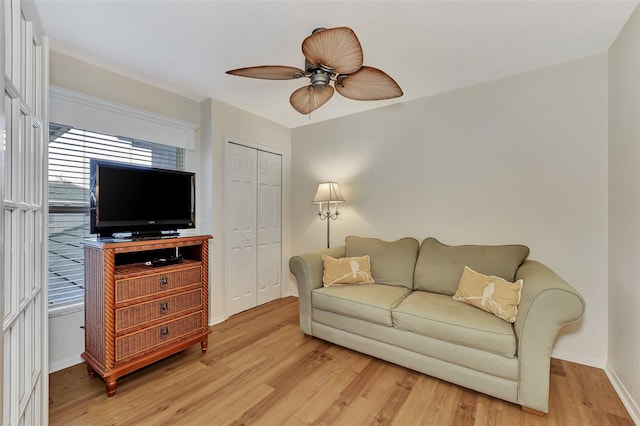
[578,359]
[628,402]
[64,363]
[217,320]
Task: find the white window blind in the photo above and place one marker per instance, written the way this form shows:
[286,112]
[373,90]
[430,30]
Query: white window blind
[70,151]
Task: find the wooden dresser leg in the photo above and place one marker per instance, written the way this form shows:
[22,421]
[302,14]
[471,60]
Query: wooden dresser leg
[532,411]
[204,344]
[111,387]
[90,371]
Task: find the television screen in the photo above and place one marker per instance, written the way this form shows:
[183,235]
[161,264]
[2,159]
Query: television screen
[141,200]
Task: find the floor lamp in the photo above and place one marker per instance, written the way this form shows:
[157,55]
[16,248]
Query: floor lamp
[329,193]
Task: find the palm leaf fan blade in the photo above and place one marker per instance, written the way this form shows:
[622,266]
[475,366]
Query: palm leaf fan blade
[269,72]
[336,48]
[368,84]
[307,99]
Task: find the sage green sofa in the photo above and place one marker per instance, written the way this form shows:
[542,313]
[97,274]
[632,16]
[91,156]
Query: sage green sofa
[408,317]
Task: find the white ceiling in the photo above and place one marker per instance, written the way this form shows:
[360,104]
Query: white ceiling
[428,47]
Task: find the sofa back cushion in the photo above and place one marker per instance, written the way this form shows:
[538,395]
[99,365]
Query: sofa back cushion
[392,263]
[439,266]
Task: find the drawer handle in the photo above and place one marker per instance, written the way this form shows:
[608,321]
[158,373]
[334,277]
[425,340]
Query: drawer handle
[164,332]
[164,281]
[164,307]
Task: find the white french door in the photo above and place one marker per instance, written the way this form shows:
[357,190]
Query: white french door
[253,252]
[23,227]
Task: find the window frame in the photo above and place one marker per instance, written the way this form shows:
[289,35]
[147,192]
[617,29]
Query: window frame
[65,265]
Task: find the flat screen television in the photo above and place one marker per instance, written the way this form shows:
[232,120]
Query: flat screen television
[143,201]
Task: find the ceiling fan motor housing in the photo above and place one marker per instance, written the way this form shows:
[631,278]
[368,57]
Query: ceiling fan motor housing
[319,75]
[319,78]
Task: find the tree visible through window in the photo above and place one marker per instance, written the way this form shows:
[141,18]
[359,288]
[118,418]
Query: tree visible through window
[70,151]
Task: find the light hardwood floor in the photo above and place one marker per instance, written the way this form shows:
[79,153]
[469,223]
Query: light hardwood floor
[260,369]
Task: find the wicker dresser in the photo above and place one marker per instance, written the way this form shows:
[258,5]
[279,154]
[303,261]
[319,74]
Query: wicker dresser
[136,313]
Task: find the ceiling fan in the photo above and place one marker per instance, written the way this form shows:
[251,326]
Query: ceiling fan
[332,54]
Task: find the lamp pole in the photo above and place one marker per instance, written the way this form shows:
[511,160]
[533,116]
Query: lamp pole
[328,216]
[328,192]
[328,227]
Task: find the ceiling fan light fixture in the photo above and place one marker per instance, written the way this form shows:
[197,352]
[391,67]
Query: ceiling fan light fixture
[320,79]
[330,54]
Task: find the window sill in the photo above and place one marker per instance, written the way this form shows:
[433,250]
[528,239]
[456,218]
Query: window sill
[57,311]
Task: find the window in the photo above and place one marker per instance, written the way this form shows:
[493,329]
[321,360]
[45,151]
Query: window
[69,153]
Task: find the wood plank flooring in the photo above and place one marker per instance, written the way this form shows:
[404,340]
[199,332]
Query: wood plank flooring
[260,369]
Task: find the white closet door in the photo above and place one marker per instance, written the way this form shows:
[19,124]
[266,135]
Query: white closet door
[240,260]
[269,226]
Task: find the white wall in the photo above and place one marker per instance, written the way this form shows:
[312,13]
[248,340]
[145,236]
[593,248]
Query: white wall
[66,340]
[623,365]
[518,160]
[223,122]
[78,75]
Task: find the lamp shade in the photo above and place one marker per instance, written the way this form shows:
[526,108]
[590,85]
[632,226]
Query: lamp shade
[328,191]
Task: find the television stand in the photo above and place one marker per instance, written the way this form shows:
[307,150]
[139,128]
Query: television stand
[137,314]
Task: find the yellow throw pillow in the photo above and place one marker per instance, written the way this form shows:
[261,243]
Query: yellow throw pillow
[490,293]
[346,270]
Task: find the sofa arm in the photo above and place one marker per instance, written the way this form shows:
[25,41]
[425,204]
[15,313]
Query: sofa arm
[307,268]
[546,304]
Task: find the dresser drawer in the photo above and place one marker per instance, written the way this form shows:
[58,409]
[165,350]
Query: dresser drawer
[135,344]
[132,316]
[133,288]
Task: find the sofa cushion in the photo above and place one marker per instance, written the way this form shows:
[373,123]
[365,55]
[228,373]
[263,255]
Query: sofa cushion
[346,270]
[489,293]
[440,317]
[392,263]
[371,302]
[439,266]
